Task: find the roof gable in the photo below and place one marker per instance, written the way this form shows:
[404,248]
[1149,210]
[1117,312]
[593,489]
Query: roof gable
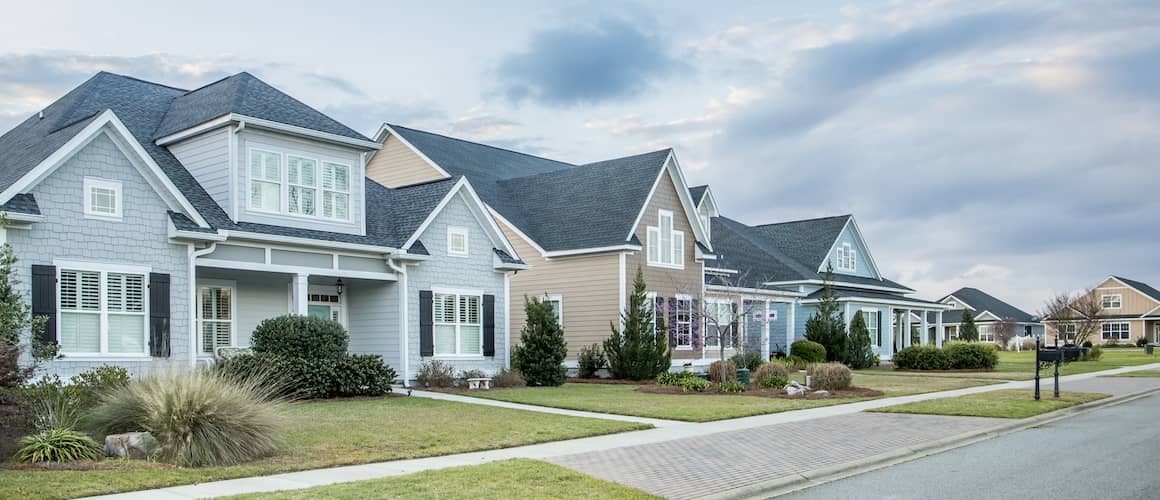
[983,302]
[1141,287]
[806,241]
[458,188]
[864,265]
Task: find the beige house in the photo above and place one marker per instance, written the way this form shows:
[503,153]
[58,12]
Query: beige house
[583,229]
[1131,310]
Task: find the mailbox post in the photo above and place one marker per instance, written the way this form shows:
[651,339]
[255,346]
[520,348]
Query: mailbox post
[1055,355]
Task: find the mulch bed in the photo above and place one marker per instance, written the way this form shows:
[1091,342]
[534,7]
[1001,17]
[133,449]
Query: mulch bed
[852,392]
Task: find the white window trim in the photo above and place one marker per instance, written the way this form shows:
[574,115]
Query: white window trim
[688,298]
[651,297]
[215,283]
[315,188]
[457,292]
[876,330]
[1119,300]
[846,254]
[460,231]
[118,199]
[674,248]
[284,184]
[560,311]
[1124,333]
[716,304]
[349,188]
[988,331]
[104,270]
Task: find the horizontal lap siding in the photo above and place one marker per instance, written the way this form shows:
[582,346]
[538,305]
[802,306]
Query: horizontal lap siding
[396,164]
[1133,302]
[207,159]
[373,317]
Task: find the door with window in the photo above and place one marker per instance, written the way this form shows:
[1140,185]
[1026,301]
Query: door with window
[325,306]
[216,317]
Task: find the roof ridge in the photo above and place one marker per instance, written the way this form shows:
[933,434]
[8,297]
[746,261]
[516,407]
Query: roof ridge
[772,252]
[804,220]
[445,136]
[424,183]
[625,157]
[127,77]
[215,82]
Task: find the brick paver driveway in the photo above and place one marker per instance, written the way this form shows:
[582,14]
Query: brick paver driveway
[715,463]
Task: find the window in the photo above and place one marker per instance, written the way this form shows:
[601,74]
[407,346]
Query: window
[871,316]
[986,334]
[847,258]
[335,191]
[304,183]
[458,325]
[265,181]
[102,199]
[1068,330]
[719,324]
[651,297]
[1112,301]
[102,312]
[705,224]
[666,246]
[457,241]
[325,306]
[300,175]
[683,324]
[557,304]
[217,317]
[1116,331]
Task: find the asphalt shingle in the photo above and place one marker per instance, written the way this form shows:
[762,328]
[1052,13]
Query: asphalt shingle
[982,301]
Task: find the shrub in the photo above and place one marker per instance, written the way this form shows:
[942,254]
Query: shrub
[694,384]
[1027,345]
[1087,343]
[750,360]
[435,373]
[1112,342]
[294,336]
[92,384]
[971,355]
[675,378]
[540,355]
[507,378]
[827,325]
[922,357]
[808,351]
[773,381]
[591,360]
[968,330]
[638,348]
[51,405]
[721,371]
[348,375]
[1141,342]
[57,445]
[198,417]
[1093,354]
[770,370]
[830,376]
[731,386]
[860,353]
[11,373]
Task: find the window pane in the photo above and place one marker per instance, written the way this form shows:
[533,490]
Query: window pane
[678,248]
[127,333]
[653,236]
[444,339]
[469,339]
[80,332]
[125,292]
[265,195]
[214,334]
[90,293]
[469,309]
[444,308]
[301,200]
[103,200]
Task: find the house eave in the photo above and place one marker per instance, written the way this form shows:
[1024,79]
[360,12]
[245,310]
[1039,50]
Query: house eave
[262,123]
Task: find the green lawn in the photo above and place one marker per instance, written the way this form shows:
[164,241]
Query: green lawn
[1139,374]
[519,478]
[1015,403]
[1111,358]
[323,434]
[624,400]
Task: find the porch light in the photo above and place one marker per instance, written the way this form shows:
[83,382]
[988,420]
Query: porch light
[338,286]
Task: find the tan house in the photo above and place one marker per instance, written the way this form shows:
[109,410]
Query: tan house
[1131,310]
[582,229]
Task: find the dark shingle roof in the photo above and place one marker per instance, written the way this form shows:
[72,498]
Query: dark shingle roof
[869,294]
[246,95]
[1144,288]
[806,241]
[981,301]
[542,197]
[23,203]
[698,192]
[859,280]
[506,258]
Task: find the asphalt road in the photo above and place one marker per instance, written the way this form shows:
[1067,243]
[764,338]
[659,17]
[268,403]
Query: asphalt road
[1110,453]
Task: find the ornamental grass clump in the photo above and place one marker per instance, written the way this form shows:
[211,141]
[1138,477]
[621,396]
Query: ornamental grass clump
[722,371]
[832,376]
[198,417]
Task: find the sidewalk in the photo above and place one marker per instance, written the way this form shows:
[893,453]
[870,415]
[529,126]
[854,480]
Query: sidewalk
[763,432]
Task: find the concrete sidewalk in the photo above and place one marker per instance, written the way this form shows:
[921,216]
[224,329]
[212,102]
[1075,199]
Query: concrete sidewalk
[554,451]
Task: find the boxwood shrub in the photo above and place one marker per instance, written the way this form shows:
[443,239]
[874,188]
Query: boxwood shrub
[294,336]
[808,351]
[971,355]
[921,357]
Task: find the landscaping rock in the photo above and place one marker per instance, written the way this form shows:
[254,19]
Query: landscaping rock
[130,445]
[822,394]
[796,389]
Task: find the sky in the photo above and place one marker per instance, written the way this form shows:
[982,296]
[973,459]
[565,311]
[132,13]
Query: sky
[1009,146]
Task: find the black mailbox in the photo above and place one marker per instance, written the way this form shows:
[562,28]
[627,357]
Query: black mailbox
[1062,354]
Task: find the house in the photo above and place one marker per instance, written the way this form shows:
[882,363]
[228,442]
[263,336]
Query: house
[583,228]
[1130,311]
[987,311]
[154,225]
[773,275]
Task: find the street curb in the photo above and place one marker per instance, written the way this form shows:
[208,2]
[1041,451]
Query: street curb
[807,479]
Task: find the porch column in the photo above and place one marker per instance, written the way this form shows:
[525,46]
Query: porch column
[888,339]
[789,325]
[938,328]
[301,285]
[765,333]
[906,327]
[925,339]
[848,317]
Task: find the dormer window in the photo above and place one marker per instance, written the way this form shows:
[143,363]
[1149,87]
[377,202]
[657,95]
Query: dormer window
[847,258]
[296,184]
[666,245]
[102,199]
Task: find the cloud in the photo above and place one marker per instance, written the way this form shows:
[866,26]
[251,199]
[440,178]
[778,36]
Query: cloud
[611,60]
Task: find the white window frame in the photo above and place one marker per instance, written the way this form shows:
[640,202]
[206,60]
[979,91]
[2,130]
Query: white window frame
[233,321]
[453,231]
[847,258]
[652,306]
[986,334]
[316,189]
[677,323]
[457,293]
[283,182]
[322,190]
[339,306]
[1123,330]
[658,255]
[1067,330]
[559,300]
[91,183]
[104,270]
[1116,298]
[873,326]
[715,307]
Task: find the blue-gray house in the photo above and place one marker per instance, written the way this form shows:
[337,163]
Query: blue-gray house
[154,225]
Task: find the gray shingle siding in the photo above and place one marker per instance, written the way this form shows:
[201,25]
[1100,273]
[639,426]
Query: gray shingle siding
[140,239]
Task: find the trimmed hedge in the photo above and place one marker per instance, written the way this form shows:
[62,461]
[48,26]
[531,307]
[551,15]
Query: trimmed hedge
[345,376]
[921,357]
[953,356]
[808,351]
[295,336]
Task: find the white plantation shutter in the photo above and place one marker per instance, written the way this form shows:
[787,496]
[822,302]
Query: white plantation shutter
[265,180]
[335,190]
[470,326]
[444,332]
[216,318]
[80,308]
[125,299]
[301,177]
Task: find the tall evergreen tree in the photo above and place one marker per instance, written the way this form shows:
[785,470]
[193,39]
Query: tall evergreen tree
[827,326]
[540,355]
[861,352]
[968,331]
[640,350]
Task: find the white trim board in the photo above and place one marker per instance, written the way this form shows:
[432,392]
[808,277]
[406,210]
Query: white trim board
[861,242]
[478,209]
[269,125]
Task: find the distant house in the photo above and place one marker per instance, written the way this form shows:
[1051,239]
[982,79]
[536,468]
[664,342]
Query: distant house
[1131,310]
[987,311]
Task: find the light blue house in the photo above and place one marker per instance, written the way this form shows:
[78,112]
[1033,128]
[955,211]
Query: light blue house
[154,225]
[774,274]
[989,312]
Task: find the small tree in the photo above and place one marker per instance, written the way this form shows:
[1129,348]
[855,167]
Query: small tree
[15,318]
[1079,311]
[540,355]
[640,350]
[1005,330]
[861,352]
[968,331]
[827,326]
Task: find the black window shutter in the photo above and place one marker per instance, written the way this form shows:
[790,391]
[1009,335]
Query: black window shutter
[426,323]
[44,299]
[672,321]
[159,315]
[489,325]
[734,333]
